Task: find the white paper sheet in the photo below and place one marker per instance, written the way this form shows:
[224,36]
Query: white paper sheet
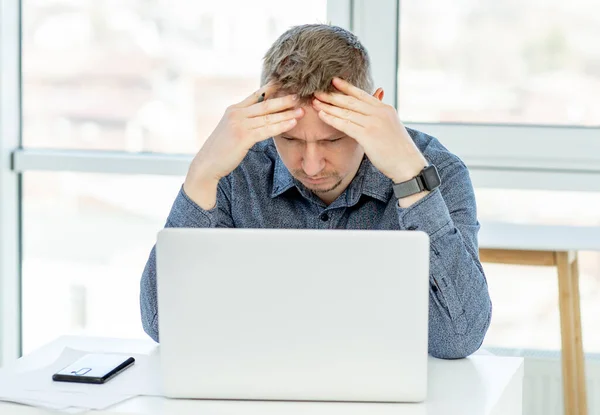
[37,387]
[63,400]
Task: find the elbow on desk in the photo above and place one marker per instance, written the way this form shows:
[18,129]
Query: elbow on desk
[457,347]
[150,326]
[452,345]
[148,311]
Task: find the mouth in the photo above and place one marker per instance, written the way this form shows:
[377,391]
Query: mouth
[315,180]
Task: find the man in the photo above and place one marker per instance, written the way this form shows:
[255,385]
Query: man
[321,152]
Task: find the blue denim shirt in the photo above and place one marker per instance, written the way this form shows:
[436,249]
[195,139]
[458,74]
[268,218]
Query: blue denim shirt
[261,193]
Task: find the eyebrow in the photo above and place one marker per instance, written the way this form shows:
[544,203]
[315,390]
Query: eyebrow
[335,137]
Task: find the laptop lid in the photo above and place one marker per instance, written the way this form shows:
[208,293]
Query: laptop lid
[293,314]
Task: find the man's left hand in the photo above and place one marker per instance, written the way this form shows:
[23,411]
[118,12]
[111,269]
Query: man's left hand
[375,126]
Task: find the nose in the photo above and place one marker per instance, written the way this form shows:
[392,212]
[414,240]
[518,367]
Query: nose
[313,161]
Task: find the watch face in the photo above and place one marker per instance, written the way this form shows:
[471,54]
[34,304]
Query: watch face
[431,178]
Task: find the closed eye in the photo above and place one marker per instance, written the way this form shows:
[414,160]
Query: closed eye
[336,139]
[327,141]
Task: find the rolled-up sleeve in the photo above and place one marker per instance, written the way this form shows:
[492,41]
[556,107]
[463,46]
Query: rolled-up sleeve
[460,307]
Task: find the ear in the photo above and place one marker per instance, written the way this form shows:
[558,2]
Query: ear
[379,94]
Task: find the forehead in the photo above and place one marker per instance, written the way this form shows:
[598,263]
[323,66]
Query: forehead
[310,127]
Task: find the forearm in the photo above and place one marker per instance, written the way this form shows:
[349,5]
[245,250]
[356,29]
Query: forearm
[460,307]
[184,214]
[200,187]
[148,297]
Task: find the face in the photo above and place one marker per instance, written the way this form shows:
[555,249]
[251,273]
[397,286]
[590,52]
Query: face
[322,158]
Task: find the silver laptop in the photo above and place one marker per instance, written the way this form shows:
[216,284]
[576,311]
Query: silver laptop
[293,314]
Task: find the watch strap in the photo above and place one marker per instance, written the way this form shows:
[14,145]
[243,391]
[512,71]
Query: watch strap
[408,188]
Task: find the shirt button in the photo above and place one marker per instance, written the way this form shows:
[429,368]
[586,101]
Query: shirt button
[434,288]
[324,217]
[412,228]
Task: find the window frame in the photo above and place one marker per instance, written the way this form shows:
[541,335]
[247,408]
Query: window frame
[10,182]
[16,160]
[516,157]
[570,156]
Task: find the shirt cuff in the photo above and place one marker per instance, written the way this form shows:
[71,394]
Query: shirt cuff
[429,215]
[185,213]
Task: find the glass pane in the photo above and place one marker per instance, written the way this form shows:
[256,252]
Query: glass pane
[86,239]
[142,75]
[525,298]
[510,61]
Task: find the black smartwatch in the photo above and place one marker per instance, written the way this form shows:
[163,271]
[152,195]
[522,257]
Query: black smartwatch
[428,179]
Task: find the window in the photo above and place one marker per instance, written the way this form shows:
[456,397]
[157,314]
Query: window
[132,76]
[500,62]
[484,77]
[155,77]
[86,239]
[143,76]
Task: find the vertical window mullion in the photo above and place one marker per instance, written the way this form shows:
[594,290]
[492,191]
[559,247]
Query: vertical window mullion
[10,206]
[377,28]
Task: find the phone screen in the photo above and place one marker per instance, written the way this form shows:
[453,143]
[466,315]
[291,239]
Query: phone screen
[94,368]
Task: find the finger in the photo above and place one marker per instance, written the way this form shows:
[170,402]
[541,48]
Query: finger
[271,130]
[271,106]
[258,122]
[268,89]
[349,89]
[342,113]
[346,101]
[347,127]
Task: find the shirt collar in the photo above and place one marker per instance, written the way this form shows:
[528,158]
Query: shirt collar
[282,178]
[368,181]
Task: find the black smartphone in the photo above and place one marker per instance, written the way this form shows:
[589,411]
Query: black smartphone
[94,368]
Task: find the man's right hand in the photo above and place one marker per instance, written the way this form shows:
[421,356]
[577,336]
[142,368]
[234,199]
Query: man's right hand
[243,125]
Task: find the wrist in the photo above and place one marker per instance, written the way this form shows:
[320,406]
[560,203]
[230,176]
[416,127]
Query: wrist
[201,191]
[408,171]
[410,191]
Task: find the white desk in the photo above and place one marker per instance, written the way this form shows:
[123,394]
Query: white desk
[557,246]
[479,385]
[499,235]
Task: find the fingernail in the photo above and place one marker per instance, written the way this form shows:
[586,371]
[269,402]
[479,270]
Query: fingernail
[295,97]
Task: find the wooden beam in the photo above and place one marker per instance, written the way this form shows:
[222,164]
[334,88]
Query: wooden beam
[517,257]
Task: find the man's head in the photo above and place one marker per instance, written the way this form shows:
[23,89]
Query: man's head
[302,61]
